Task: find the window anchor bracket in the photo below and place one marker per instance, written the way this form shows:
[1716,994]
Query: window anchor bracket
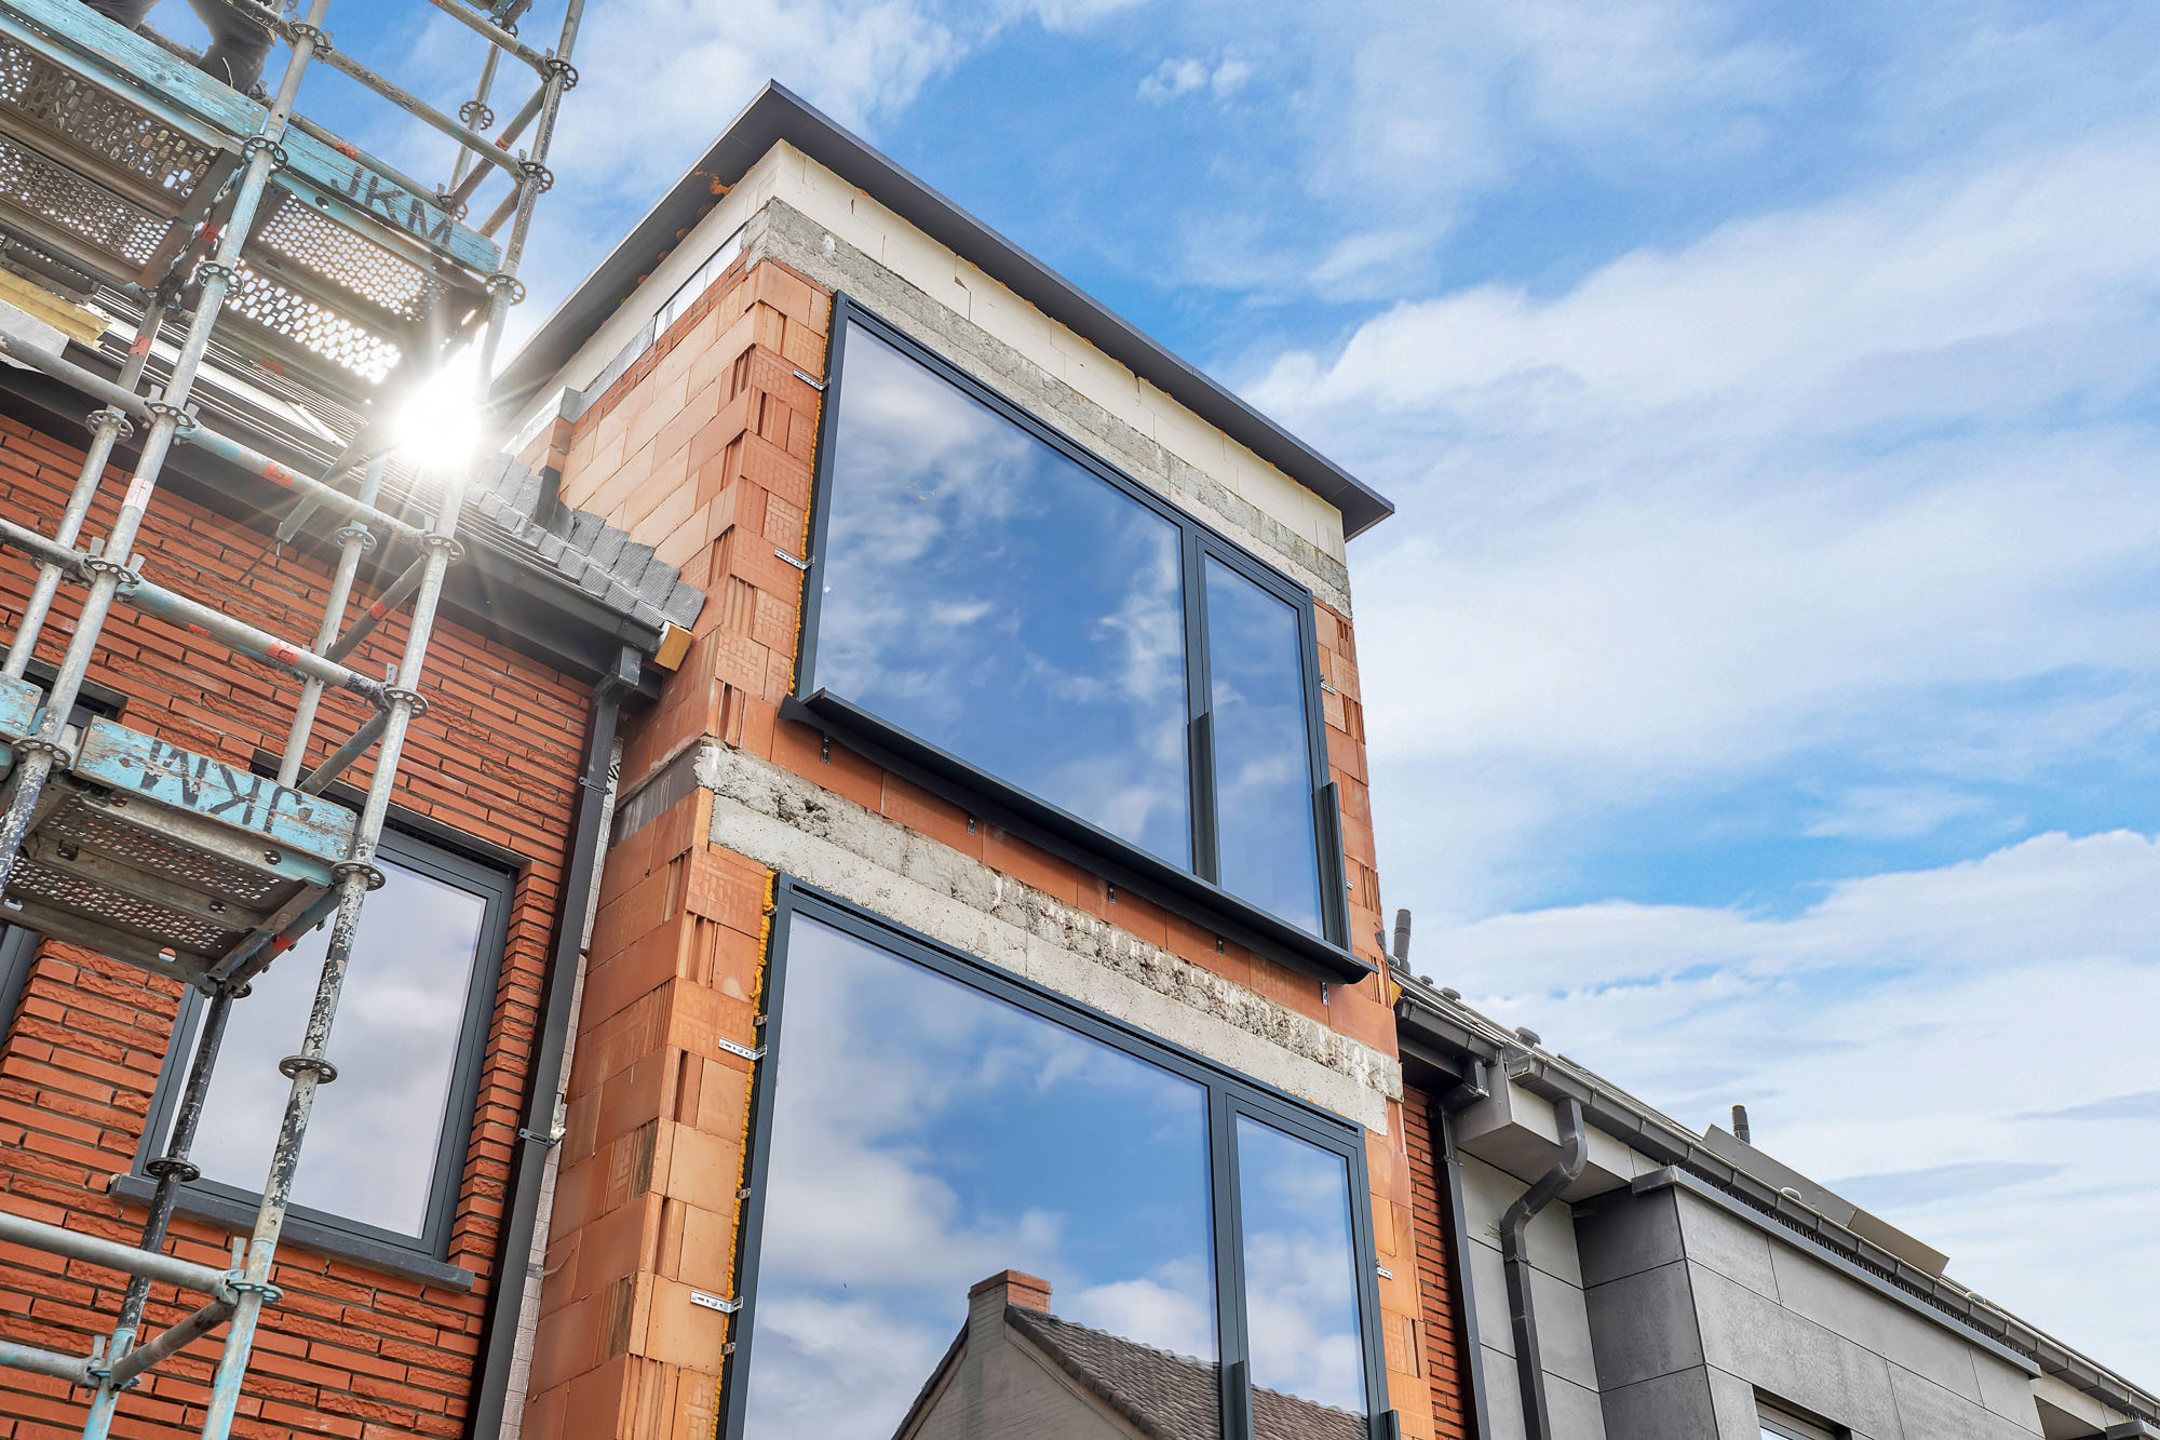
[810,380]
[741,1051]
[726,1306]
[802,565]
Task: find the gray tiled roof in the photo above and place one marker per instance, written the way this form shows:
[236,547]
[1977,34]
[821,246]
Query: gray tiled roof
[506,500]
[1172,1397]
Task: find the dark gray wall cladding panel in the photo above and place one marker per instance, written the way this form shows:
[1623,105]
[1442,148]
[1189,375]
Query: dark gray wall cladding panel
[1550,1240]
[1489,1297]
[1733,1401]
[1670,1407]
[1623,1234]
[1726,1244]
[1577,1414]
[1564,1338]
[2006,1390]
[1814,1290]
[1926,1411]
[1754,1337]
[1644,1326]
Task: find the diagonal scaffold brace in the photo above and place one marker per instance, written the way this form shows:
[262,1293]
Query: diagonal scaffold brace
[45,758]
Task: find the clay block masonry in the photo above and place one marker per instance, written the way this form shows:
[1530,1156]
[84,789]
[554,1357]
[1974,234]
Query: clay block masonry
[989,928]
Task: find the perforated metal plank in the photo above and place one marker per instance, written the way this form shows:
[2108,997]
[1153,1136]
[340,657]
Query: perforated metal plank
[137,765]
[112,56]
[107,940]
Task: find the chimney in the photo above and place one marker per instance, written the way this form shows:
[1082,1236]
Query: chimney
[1740,1126]
[1008,1287]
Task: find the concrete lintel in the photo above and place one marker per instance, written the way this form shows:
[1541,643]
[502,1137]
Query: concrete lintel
[781,820]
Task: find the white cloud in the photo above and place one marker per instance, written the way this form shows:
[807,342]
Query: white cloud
[1798,484]
[1185,74]
[1921,1033]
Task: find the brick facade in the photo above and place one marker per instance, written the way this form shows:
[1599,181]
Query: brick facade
[704,448]
[350,1351]
[1446,1349]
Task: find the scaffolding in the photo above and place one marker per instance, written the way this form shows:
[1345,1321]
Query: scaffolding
[288,257]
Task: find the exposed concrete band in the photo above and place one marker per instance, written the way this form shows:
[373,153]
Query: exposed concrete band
[781,232]
[783,821]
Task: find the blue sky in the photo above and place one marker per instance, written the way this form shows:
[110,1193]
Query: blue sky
[1762,669]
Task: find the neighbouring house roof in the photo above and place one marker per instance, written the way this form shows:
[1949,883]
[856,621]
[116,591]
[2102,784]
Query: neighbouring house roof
[1172,1397]
[777,115]
[1162,1395]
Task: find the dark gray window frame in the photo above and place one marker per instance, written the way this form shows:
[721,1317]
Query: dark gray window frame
[1229,1096]
[1777,1418]
[421,1255]
[1190,891]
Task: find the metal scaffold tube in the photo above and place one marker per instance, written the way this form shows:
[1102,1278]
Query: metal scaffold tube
[108,570]
[38,754]
[354,541]
[310,1067]
[108,426]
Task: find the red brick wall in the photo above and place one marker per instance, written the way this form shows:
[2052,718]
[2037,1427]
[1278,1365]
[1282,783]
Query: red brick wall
[704,450]
[1446,1351]
[349,1351]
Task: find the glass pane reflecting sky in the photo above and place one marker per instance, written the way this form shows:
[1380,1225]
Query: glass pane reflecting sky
[1263,764]
[990,596]
[1301,1305]
[375,1135]
[927,1136]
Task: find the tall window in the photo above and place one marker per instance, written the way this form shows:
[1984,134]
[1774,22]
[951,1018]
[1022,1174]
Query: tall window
[1781,1424]
[1016,606]
[973,1203]
[387,1140]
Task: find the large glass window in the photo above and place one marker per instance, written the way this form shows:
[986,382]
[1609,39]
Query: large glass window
[976,1209]
[1011,603]
[387,1140]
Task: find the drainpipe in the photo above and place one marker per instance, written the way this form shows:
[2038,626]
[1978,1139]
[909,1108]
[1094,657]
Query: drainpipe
[1529,1362]
[537,1136]
[1442,1117]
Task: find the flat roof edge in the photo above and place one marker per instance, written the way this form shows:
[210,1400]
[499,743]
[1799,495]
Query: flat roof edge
[778,114]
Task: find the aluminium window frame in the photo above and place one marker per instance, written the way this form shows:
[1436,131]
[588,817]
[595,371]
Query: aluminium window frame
[1776,1418]
[1195,883]
[1229,1096]
[424,1253]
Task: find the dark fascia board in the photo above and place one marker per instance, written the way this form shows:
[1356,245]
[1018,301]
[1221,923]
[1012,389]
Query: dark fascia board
[530,608]
[778,114]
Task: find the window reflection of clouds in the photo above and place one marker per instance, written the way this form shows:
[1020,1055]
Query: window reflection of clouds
[375,1136]
[982,588]
[1263,773]
[1301,1301]
[926,1135]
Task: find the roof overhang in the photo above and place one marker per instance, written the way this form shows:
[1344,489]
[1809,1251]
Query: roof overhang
[779,115]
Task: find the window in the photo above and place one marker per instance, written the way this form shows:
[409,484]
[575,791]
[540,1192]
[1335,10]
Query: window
[18,948]
[1779,1424]
[386,1143]
[962,1186]
[1033,619]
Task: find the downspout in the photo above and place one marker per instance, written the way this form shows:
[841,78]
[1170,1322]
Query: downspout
[1529,1362]
[537,1135]
[1443,1123]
